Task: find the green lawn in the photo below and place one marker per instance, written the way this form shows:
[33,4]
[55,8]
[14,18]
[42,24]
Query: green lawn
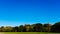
[28,33]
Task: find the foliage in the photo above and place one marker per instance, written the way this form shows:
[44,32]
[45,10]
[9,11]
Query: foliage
[38,27]
[55,27]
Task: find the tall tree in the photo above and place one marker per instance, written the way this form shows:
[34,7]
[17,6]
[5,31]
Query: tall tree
[8,29]
[2,28]
[21,28]
[26,28]
[15,29]
[47,27]
[38,27]
[55,27]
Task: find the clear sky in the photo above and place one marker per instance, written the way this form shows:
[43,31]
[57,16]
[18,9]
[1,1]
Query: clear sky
[17,12]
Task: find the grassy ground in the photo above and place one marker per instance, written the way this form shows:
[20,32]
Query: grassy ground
[28,33]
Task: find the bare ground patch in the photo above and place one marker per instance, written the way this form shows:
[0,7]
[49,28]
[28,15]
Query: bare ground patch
[1,33]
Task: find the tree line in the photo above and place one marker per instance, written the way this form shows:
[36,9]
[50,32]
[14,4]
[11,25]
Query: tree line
[38,27]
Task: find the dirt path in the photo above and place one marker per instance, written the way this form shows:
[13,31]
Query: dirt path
[1,33]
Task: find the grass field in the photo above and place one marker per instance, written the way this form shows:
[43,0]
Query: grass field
[27,33]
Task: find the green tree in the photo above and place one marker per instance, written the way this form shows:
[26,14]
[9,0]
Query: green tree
[47,27]
[55,27]
[8,29]
[21,28]
[38,27]
[15,29]
[26,28]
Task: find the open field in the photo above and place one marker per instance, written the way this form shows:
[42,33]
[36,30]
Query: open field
[26,33]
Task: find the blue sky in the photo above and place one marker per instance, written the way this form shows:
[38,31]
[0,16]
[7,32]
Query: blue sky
[17,12]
